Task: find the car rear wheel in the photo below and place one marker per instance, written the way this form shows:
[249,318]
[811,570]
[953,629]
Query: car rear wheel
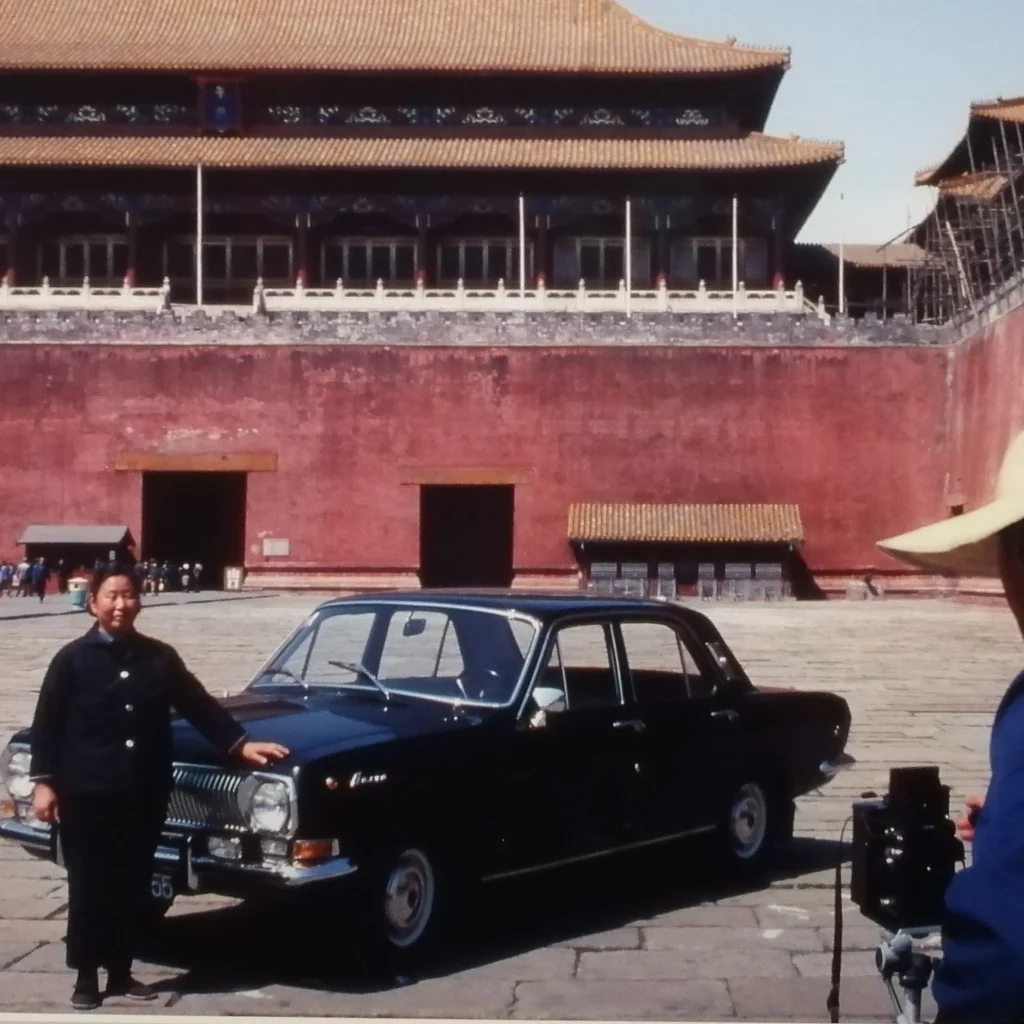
[749,827]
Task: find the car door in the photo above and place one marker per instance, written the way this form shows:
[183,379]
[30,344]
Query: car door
[691,729]
[570,768]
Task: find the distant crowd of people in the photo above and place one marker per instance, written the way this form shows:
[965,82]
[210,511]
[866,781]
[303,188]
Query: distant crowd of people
[158,577]
[31,578]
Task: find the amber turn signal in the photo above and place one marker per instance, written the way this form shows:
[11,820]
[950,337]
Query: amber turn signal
[307,851]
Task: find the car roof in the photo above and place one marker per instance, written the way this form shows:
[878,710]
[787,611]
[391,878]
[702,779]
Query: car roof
[541,604]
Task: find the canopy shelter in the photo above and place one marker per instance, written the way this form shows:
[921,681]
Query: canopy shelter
[80,546]
[671,550]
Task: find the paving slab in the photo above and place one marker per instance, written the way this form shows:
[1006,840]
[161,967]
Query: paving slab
[694,999]
[725,961]
[692,939]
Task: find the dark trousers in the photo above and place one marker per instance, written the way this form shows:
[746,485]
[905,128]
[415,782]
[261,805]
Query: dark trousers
[109,842]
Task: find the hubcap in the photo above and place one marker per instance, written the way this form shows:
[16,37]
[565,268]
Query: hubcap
[409,898]
[748,820]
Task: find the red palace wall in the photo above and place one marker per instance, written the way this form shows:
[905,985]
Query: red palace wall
[988,406]
[855,436]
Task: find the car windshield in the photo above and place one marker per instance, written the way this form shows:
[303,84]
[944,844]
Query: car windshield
[451,654]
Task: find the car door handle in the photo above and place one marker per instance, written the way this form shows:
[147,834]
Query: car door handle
[636,724]
[727,713]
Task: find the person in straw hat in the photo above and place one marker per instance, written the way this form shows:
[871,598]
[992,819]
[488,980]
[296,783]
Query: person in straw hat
[981,976]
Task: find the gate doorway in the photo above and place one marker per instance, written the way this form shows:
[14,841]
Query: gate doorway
[466,535]
[195,517]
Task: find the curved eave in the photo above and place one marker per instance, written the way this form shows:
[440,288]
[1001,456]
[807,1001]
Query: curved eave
[749,153]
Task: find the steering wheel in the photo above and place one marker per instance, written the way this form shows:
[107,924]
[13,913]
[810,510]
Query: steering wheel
[490,674]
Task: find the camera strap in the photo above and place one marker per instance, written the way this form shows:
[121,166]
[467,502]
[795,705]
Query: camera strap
[837,936]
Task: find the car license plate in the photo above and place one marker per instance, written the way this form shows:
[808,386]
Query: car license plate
[162,888]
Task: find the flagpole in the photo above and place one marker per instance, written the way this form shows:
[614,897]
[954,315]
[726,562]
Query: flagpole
[522,247]
[842,257]
[629,254]
[199,234]
[735,255]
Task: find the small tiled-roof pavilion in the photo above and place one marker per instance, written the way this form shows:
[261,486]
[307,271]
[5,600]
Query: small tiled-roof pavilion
[365,141]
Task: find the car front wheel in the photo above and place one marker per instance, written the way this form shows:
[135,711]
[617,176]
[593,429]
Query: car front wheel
[402,907]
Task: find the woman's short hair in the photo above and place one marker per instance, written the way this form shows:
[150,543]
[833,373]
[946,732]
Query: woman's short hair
[115,569]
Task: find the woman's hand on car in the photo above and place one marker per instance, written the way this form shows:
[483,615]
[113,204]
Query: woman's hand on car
[44,802]
[965,826]
[260,753]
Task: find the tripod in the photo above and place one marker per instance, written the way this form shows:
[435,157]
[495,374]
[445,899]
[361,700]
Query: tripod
[896,959]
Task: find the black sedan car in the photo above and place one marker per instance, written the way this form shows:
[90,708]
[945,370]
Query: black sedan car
[446,739]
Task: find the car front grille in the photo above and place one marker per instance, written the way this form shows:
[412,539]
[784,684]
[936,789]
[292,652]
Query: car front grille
[205,798]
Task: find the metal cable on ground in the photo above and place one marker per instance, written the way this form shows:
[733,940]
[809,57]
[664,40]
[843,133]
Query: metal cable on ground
[837,936]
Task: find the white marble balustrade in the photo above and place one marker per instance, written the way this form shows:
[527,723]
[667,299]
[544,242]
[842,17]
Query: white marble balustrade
[551,300]
[48,298]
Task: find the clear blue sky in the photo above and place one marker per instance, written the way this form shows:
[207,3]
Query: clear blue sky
[893,79]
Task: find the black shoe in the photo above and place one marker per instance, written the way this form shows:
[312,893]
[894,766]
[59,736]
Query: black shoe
[131,988]
[86,995]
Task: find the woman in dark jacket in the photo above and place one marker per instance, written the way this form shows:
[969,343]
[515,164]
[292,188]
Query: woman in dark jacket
[102,762]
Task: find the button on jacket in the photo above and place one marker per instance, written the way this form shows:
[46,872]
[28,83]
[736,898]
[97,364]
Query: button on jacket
[103,719]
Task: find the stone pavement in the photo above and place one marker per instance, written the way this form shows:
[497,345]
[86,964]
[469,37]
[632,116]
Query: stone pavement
[646,937]
[60,604]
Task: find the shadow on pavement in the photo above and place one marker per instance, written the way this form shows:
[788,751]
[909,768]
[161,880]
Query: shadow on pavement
[310,945]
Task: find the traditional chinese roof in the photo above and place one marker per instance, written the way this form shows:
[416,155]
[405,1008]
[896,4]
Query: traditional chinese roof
[39,533]
[981,186]
[1000,110]
[691,524]
[982,115]
[866,256]
[561,36]
[751,152]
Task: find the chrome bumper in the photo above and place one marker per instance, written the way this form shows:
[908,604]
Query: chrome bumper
[835,765]
[199,872]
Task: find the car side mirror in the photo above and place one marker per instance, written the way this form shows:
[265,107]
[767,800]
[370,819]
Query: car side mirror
[414,627]
[546,700]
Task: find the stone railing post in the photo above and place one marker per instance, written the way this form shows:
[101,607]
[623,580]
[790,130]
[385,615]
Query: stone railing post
[542,292]
[798,292]
[126,286]
[622,299]
[45,288]
[164,299]
[741,298]
[5,290]
[581,296]
[662,293]
[460,294]
[86,292]
[259,300]
[821,309]
[780,295]
[300,286]
[501,295]
[421,290]
[702,296]
[379,293]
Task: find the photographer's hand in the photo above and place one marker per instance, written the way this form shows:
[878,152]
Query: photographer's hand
[965,826]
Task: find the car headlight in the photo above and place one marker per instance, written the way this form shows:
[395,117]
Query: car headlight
[16,767]
[270,807]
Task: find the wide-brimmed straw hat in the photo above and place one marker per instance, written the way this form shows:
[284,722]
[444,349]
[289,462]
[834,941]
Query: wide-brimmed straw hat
[968,544]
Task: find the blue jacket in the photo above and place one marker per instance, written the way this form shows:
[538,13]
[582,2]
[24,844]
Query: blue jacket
[981,976]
